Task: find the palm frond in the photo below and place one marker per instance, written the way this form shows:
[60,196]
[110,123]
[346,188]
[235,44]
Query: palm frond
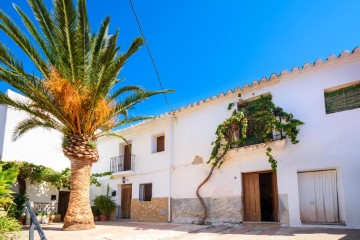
[123,90]
[34,32]
[132,120]
[29,124]
[133,99]
[99,41]
[113,134]
[45,21]
[78,91]
[102,86]
[9,27]
[120,60]
[65,29]
[84,37]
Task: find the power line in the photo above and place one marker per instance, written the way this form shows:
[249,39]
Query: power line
[150,54]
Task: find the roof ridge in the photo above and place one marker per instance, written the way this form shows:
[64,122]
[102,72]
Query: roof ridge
[273,76]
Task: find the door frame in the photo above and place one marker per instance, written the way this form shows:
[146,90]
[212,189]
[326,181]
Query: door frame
[122,210]
[274,192]
[66,204]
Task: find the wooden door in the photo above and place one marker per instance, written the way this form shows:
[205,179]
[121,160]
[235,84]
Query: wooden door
[127,157]
[63,203]
[251,194]
[126,195]
[275,197]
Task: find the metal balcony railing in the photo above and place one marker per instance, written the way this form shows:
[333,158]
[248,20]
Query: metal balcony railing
[122,163]
[253,140]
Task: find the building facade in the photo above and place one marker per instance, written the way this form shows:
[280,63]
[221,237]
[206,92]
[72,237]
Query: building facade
[316,179]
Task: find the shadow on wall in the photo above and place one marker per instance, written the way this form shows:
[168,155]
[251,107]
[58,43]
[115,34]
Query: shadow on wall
[44,192]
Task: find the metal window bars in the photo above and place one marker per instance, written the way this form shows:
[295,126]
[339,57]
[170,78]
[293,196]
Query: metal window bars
[122,163]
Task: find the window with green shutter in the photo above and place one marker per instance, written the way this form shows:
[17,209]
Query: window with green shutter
[345,98]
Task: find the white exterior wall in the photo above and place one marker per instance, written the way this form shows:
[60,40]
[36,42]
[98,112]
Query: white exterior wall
[2,127]
[38,146]
[149,167]
[327,141]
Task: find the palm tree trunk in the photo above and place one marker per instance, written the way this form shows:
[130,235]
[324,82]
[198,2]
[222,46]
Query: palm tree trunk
[22,185]
[79,215]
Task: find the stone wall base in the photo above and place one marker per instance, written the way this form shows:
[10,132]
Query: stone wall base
[221,210]
[155,210]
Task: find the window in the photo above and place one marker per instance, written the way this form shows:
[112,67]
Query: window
[145,192]
[160,144]
[342,98]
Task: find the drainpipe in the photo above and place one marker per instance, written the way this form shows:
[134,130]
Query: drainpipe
[171,161]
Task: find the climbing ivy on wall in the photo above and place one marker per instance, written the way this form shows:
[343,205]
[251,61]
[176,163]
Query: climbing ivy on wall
[252,122]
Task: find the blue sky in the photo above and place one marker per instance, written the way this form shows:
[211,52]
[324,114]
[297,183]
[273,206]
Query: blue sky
[205,47]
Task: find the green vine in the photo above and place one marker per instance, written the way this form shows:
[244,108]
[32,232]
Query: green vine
[39,174]
[252,122]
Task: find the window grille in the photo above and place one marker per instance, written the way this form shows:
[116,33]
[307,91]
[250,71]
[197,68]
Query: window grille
[343,99]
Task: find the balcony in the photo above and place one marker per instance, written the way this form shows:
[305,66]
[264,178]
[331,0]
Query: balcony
[253,140]
[124,163]
[252,145]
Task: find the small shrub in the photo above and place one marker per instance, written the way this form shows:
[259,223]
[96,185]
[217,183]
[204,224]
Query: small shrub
[105,204]
[16,210]
[95,210]
[9,228]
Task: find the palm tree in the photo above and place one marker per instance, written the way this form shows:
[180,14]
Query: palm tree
[76,92]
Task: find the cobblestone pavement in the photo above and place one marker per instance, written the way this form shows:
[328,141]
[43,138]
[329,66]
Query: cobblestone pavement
[166,231]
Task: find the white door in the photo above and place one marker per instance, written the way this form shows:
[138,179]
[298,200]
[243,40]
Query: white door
[318,197]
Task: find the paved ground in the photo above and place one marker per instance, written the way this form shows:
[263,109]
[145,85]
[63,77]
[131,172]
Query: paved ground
[165,231]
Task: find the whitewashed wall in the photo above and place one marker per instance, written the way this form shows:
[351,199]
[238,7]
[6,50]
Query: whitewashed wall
[38,146]
[149,167]
[326,142]
[2,127]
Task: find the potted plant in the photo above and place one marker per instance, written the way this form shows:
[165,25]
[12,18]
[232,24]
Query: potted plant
[106,205]
[51,217]
[44,218]
[96,213]
[39,215]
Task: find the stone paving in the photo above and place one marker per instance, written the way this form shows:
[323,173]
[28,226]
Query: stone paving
[171,231]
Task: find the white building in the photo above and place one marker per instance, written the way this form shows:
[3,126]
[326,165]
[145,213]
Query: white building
[316,181]
[38,146]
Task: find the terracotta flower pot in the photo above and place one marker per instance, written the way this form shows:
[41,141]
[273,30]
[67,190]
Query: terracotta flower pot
[23,219]
[51,218]
[103,217]
[96,218]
